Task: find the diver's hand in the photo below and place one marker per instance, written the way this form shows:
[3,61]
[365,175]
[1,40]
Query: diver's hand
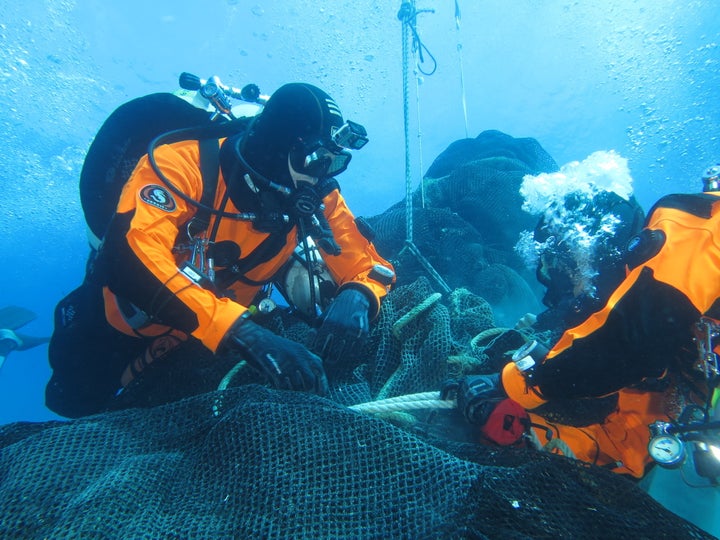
[288,365]
[477,395]
[344,328]
[526,321]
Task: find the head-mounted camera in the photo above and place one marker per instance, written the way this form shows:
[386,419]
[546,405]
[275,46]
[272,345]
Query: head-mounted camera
[350,135]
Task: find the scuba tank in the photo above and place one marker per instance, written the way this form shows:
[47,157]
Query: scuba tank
[126,134]
[200,108]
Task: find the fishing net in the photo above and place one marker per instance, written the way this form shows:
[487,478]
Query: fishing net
[491,144]
[467,218]
[246,461]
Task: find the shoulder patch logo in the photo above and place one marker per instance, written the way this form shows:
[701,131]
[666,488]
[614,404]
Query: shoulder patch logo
[158,197]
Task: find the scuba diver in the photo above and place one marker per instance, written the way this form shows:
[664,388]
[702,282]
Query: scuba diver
[202,225]
[11,319]
[653,345]
[575,285]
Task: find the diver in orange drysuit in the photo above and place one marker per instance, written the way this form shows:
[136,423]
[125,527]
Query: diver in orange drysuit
[276,185]
[641,345]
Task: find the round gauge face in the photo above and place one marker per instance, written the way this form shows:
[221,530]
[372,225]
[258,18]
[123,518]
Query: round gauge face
[667,450]
[266,305]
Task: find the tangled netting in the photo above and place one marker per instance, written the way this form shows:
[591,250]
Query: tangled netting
[467,218]
[246,461]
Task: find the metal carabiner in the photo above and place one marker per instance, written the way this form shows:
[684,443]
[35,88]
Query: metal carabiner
[706,330]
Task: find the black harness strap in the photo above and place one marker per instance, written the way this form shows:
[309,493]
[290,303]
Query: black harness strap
[210,171]
[267,249]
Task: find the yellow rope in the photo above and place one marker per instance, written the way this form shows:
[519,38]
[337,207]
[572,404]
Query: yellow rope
[485,334]
[413,313]
[230,374]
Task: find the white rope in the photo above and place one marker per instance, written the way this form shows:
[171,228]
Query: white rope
[423,400]
[431,400]
[406,36]
[418,81]
[460,63]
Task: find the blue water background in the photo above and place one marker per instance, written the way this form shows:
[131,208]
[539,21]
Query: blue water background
[637,76]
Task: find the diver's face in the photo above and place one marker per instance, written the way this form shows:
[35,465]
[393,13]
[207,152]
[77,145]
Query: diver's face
[557,278]
[298,177]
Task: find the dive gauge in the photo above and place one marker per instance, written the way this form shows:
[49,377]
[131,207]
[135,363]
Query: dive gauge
[667,450]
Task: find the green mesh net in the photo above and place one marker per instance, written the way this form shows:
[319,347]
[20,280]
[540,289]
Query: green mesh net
[247,461]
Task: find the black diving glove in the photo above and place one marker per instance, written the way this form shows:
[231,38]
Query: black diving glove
[344,328]
[477,395]
[288,365]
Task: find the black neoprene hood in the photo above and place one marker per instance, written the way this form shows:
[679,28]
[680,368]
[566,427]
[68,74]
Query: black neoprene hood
[296,111]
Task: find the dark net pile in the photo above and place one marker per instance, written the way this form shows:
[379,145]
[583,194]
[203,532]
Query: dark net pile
[251,462]
[467,219]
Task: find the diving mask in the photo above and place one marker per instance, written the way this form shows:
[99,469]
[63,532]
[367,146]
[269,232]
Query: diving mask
[325,158]
[322,162]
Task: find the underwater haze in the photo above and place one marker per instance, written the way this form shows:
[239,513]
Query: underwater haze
[637,77]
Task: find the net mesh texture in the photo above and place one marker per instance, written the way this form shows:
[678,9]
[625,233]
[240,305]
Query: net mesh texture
[252,462]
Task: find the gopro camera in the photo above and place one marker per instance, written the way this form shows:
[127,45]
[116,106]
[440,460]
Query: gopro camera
[351,135]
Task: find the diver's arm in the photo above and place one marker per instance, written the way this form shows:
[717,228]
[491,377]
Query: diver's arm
[643,328]
[141,266]
[354,266]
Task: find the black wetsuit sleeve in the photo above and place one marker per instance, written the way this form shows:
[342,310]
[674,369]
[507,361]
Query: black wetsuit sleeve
[647,332]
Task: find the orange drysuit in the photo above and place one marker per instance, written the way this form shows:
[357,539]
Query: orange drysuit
[644,332]
[141,256]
